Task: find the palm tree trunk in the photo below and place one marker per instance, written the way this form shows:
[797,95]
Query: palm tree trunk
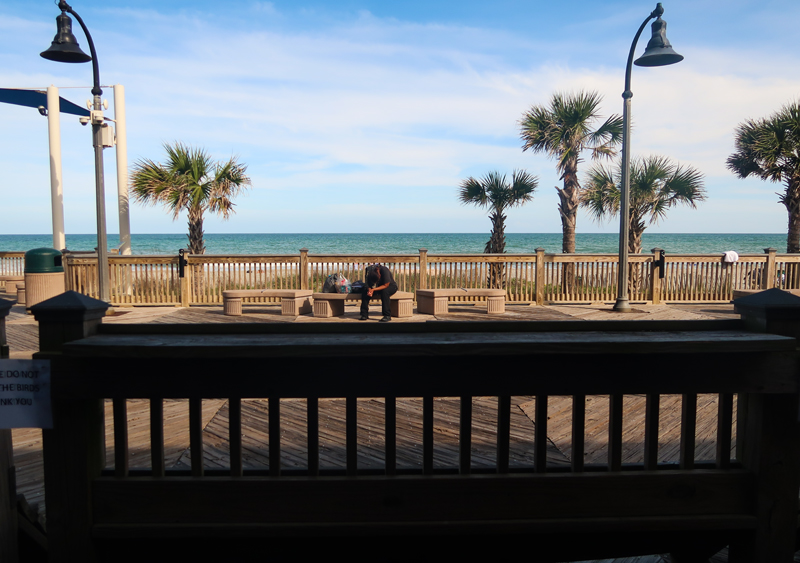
[569,200]
[497,245]
[196,242]
[636,231]
[197,246]
[793,239]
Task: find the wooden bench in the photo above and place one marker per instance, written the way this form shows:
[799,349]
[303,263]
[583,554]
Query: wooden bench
[435,301]
[5,279]
[332,304]
[294,302]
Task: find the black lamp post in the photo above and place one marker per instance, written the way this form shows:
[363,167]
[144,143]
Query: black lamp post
[658,53]
[65,49]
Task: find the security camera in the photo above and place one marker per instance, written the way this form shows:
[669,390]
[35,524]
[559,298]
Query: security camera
[42,110]
[83,120]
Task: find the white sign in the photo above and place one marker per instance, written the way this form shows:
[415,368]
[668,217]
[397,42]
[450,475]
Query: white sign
[25,394]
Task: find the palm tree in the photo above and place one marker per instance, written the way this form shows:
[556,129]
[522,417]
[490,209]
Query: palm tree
[656,185]
[493,192]
[563,130]
[770,149]
[190,180]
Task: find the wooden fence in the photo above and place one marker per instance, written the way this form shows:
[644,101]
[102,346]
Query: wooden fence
[539,278]
[224,504]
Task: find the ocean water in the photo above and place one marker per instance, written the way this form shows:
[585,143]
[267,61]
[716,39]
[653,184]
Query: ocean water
[409,243]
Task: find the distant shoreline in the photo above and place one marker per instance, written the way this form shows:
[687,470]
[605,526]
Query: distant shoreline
[410,243]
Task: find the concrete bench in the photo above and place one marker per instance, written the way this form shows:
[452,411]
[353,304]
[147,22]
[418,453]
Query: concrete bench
[4,279]
[332,304]
[294,302]
[435,301]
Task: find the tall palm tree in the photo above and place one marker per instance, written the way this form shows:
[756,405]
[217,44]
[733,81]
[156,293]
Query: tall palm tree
[495,193]
[564,130]
[191,181]
[770,149]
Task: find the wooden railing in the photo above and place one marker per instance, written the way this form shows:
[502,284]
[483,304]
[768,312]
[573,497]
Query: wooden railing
[12,263]
[536,278]
[614,508]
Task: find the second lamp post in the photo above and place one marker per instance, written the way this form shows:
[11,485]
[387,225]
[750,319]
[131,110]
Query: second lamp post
[658,53]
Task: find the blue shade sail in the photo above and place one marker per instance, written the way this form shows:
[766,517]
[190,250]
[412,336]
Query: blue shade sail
[36,98]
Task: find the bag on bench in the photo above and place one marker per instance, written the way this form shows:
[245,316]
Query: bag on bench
[336,283]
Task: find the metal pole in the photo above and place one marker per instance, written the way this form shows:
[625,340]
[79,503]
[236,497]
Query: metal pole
[122,171]
[56,178]
[97,141]
[622,305]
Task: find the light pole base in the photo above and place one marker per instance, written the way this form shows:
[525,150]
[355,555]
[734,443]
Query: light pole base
[622,306]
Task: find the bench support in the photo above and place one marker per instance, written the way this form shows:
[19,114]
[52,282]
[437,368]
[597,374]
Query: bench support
[431,305]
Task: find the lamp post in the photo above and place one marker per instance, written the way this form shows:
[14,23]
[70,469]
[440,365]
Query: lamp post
[657,53]
[65,49]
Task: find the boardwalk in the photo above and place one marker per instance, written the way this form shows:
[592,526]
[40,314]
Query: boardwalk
[22,334]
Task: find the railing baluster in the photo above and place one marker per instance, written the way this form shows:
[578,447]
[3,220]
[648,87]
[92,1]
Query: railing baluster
[427,435]
[503,432]
[651,419]
[157,437]
[351,435]
[120,438]
[274,436]
[465,436]
[196,436]
[578,431]
[540,435]
[312,429]
[724,430]
[615,432]
[390,433]
[688,430]
[235,435]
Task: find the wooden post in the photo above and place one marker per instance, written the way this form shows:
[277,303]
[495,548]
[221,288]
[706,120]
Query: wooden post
[655,276]
[768,279]
[74,449]
[5,307]
[8,500]
[304,268]
[8,489]
[423,268]
[771,436]
[540,276]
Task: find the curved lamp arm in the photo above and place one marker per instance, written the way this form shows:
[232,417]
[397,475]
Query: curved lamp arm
[96,90]
[627,93]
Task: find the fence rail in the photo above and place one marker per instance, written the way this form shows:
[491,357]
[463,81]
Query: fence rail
[539,278]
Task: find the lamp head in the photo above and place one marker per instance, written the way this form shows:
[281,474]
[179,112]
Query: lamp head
[658,51]
[64,48]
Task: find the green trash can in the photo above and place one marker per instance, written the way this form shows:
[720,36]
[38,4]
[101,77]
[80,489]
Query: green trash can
[44,275]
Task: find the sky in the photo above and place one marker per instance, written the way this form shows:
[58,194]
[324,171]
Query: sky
[361,116]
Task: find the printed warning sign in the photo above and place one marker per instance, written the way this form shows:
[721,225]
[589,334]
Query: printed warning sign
[25,394]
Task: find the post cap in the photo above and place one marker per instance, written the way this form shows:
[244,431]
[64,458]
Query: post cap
[5,307]
[69,306]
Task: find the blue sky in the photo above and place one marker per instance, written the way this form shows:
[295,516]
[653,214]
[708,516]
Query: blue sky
[361,116]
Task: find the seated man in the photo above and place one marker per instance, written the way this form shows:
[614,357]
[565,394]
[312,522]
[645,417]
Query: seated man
[379,281]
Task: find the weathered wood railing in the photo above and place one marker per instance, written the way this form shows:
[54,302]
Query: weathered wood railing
[749,502]
[536,278]
[12,263]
